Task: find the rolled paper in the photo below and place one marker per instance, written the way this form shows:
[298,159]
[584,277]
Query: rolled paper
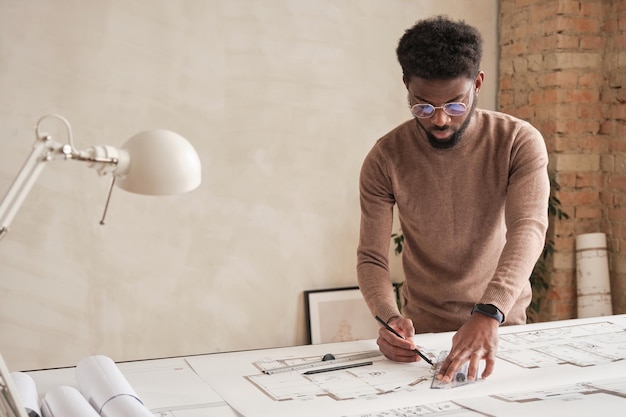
[27,390]
[100,381]
[65,401]
[592,276]
[125,406]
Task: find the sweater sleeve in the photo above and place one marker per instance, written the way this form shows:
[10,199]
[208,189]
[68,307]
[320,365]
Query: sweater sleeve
[377,201]
[526,217]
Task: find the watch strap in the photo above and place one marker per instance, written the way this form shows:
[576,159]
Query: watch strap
[489,310]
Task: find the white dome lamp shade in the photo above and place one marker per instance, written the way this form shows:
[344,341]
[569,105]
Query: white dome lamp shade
[158,162]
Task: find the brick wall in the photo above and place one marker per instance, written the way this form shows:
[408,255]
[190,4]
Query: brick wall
[562,68]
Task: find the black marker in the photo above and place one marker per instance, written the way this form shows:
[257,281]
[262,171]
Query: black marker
[388,327]
[337,368]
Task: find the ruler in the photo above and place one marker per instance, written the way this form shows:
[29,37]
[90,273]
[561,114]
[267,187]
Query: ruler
[321,363]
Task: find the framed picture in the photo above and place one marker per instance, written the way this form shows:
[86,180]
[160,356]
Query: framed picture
[338,315]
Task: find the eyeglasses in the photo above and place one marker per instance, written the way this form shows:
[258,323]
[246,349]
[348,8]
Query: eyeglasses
[425,111]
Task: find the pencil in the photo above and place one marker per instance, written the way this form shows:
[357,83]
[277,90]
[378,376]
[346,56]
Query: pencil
[388,327]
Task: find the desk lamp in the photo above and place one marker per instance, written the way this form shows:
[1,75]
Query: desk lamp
[153,162]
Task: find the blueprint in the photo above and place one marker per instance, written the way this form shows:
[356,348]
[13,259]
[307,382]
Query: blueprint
[590,356]
[579,345]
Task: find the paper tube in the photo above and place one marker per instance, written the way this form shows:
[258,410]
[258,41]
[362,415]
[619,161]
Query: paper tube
[125,406]
[103,385]
[592,272]
[27,390]
[64,401]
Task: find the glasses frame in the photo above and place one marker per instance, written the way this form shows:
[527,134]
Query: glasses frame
[444,107]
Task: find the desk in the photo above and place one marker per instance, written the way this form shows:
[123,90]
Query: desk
[573,367]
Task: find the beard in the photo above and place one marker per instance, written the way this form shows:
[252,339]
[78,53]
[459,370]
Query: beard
[455,138]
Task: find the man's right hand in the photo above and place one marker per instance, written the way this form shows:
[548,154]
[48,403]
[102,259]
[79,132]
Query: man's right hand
[395,348]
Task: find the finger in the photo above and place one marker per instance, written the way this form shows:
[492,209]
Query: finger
[472,369]
[489,365]
[394,340]
[449,369]
[396,353]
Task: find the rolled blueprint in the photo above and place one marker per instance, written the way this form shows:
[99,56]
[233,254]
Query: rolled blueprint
[27,390]
[592,273]
[107,390]
[64,401]
[125,406]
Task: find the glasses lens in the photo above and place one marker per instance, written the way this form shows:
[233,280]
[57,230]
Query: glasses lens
[423,111]
[454,109]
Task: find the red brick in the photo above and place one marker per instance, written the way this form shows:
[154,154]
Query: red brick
[558,79]
[520,4]
[505,83]
[524,112]
[577,197]
[541,11]
[591,8]
[616,181]
[505,99]
[569,24]
[581,96]
[585,126]
[618,111]
[590,112]
[617,214]
[617,7]
[591,79]
[610,26]
[560,278]
[615,127]
[588,212]
[566,178]
[546,97]
[554,41]
[589,179]
[616,42]
[592,42]
[565,227]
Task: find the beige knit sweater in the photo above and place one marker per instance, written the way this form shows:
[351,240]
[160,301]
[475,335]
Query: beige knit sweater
[474,219]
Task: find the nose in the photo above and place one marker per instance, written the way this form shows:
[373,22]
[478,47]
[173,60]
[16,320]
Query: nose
[440,118]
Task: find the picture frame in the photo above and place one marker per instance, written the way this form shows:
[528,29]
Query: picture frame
[338,315]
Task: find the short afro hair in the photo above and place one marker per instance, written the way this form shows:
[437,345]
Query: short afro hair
[438,48]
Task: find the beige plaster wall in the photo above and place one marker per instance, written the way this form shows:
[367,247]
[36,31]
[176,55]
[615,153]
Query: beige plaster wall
[281,98]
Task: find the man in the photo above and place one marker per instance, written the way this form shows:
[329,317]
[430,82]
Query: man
[471,190]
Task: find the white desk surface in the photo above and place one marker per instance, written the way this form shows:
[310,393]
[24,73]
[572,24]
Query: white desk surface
[573,367]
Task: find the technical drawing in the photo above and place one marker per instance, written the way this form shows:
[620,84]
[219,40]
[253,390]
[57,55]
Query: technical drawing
[381,377]
[579,345]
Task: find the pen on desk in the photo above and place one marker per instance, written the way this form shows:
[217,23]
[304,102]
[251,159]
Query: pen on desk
[388,327]
[337,368]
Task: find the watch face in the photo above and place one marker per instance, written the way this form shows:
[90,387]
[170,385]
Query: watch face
[488,308]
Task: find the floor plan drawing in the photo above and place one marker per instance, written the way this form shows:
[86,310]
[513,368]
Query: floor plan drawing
[382,376]
[581,345]
[581,399]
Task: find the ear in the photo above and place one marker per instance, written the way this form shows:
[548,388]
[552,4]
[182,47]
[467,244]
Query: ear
[478,82]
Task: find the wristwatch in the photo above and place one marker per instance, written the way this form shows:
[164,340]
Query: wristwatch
[489,310]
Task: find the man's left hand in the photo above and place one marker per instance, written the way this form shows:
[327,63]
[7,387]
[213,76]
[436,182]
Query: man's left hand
[476,340]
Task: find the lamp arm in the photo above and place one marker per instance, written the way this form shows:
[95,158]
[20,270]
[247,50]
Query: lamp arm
[103,158]
[24,181]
